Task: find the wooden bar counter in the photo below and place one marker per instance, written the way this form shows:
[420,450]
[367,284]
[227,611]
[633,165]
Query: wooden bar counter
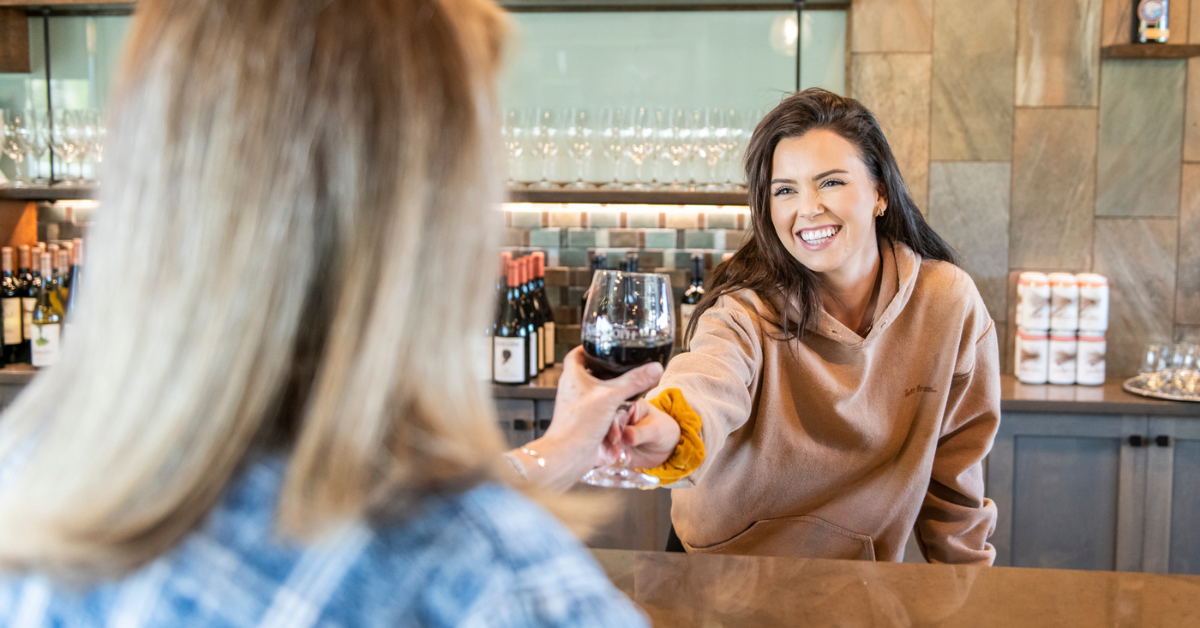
[684,590]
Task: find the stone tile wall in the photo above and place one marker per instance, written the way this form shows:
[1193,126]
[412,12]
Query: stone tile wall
[1028,152]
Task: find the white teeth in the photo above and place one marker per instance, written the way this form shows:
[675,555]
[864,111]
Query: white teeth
[818,234]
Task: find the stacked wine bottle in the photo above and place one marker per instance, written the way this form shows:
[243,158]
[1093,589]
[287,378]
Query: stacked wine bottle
[523,331]
[37,298]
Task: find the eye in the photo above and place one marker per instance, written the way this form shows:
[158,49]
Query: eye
[832,182]
[781,191]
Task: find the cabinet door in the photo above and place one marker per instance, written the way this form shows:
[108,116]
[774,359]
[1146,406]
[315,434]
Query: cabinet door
[1173,497]
[1069,492]
[516,420]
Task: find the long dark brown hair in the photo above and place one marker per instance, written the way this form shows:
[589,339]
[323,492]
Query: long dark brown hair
[763,264]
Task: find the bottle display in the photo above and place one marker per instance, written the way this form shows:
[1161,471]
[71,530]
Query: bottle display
[510,357]
[46,321]
[1033,356]
[536,324]
[599,261]
[1064,302]
[1033,301]
[10,299]
[543,305]
[1090,357]
[687,306]
[1093,301]
[1063,350]
[74,275]
[1150,21]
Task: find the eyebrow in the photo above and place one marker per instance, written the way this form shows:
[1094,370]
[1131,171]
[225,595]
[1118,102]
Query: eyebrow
[816,178]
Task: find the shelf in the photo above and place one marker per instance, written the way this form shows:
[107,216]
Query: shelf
[49,194]
[1150,51]
[623,197]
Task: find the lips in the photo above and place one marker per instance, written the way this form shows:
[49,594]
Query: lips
[816,238]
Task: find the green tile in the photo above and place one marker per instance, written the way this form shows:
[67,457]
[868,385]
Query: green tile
[683,260]
[551,237]
[661,238]
[649,261]
[643,220]
[697,239]
[573,258]
[604,219]
[722,220]
[528,220]
[581,238]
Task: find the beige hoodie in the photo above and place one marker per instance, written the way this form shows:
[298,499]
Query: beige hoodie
[838,446]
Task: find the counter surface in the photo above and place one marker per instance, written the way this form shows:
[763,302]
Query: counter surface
[1014,397]
[748,591]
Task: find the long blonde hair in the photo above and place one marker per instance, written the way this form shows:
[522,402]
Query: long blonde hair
[286,253]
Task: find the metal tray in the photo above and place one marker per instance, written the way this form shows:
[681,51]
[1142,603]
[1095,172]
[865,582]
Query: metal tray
[1133,385]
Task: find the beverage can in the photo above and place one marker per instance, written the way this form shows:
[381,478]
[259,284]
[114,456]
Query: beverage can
[1033,350]
[1090,357]
[1033,301]
[1064,302]
[1063,351]
[1093,301]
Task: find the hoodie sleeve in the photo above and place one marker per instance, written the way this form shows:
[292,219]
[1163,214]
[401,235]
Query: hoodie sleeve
[717,375]
[956,519]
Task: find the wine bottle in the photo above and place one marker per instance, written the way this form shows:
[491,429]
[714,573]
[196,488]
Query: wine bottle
[29,284]
[599,261]
[631,263]
[1150,21]
[47,321]
[543,304]
[62,281]
[74,275]
[510,361]
[687,306]
[10,300]
[533,318]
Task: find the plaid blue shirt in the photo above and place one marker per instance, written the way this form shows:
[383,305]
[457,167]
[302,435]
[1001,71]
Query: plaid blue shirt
[486,558]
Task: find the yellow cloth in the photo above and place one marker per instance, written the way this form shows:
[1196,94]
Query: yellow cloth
[689,452]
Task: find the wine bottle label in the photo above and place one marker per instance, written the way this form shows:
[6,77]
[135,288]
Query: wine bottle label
[685,316]
[549,343]
[508,360]
[27,305]
[1151,11]
[45,344]
[533,363]
[12,321]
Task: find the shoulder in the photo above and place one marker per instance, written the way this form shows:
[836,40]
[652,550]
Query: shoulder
[951,293]
[487,555]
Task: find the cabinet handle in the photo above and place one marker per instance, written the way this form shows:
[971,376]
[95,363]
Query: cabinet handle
[1162,440]
[544,424]
[520,425]
[1137,440]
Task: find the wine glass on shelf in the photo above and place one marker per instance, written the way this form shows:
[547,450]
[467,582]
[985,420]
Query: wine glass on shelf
[39,145]
[512,135]
[579,144]
[1152,373]
[696,154]
[64,142]
[640,144]
[714,145]
[1184,365]
[612,122]
[677,140]
[14,125]
[628,321]
[658,159]
[733,146]
[545,142]
[100,137]
[86,141]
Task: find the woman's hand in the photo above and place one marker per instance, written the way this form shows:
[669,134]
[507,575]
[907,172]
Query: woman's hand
[584,412]
[651,436]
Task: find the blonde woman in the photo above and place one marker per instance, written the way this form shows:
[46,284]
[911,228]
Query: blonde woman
[267,415]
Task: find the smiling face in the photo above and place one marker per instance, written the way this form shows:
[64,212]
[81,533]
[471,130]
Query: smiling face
[823,205]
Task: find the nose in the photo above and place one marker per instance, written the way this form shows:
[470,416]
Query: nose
[811,207]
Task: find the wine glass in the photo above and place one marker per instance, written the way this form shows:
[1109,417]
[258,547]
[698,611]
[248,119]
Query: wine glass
[101,136]
[1154,367]
[1184,365]
[714,145]
[640,144]
[677,138]
[64,141]
[39,145]
[579,144]
[512,136]
[15,127]
[545,141]
[733,144]
[612,121]
[627,322]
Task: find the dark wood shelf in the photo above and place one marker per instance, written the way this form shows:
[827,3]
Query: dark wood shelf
[49,194]
[624,197]
[1150,51]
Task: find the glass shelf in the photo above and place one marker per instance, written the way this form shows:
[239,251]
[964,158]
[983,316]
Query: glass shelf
[627,197]
[1150,51]
[49,194]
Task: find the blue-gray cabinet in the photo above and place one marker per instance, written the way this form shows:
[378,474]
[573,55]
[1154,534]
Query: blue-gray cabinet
[1104,492]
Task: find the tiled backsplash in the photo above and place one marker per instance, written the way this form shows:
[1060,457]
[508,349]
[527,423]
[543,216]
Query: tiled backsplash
[664,237]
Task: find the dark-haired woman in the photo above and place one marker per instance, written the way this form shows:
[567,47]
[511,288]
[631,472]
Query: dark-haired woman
[841,387]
